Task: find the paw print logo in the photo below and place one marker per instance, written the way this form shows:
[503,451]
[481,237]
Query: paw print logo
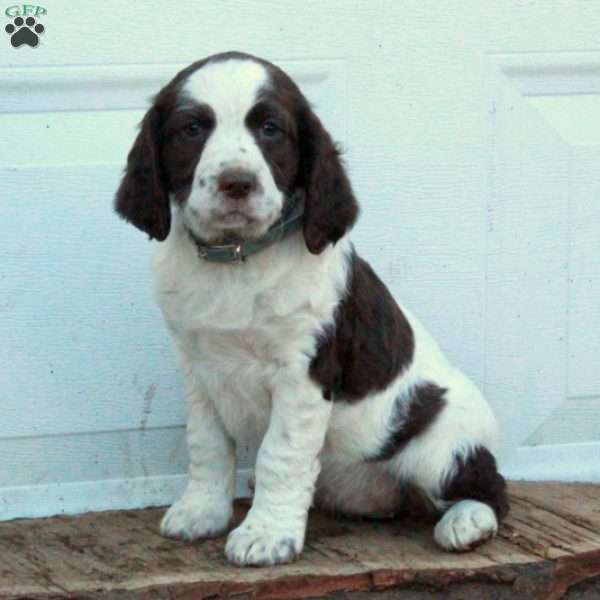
[24,32]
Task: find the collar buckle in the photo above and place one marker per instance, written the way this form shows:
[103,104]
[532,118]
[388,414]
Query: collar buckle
[237,253]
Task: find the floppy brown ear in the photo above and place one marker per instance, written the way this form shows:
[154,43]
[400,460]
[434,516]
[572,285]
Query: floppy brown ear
[142,198]
[330,206]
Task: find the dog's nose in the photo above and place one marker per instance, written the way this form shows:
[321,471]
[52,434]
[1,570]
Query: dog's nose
[237,183]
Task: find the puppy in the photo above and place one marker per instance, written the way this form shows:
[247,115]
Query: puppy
[285,334]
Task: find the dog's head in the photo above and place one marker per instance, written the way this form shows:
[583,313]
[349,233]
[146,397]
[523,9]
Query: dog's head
[224,143]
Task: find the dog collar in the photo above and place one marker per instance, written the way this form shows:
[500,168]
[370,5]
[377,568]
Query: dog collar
[289,222]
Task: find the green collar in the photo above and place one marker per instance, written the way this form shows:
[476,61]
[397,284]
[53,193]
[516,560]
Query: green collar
[289,222]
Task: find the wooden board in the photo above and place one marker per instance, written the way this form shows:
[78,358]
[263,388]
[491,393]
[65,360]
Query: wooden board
[550,541]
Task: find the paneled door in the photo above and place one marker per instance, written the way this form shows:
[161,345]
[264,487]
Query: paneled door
[471,131]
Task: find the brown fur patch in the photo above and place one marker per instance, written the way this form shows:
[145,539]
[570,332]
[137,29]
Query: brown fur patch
[408,421]
[369,344]
[476,477]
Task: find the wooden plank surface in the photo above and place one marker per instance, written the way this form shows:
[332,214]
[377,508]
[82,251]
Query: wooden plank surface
[549,542]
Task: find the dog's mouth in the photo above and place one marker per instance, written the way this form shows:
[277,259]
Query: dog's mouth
[234,220]
[233,227]
[242,221]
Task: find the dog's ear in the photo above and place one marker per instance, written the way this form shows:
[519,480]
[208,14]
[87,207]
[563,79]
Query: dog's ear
[330,206]
[142,198]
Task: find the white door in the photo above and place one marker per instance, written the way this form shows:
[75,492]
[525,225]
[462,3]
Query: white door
[472,132]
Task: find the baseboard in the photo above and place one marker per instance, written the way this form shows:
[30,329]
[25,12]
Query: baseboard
[558,462]
[565,462]
[37,501]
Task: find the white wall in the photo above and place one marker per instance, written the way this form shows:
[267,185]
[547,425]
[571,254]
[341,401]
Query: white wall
[472,136]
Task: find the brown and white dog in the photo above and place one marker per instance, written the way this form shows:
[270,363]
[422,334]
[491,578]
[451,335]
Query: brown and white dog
[300,345]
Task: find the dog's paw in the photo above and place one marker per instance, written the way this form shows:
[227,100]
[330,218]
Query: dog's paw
[259,544]
[194,516]
[465,525]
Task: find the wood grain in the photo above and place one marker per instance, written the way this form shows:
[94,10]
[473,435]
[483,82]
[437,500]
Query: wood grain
[549,542]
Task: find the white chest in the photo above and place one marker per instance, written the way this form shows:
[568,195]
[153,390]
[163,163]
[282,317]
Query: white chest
[237,359]
[239,326]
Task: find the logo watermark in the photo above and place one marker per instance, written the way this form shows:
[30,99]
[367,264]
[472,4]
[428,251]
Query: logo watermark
[25,28]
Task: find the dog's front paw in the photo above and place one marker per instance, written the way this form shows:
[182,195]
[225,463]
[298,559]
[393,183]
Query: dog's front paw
[259,544]
[195,516]
[465,525]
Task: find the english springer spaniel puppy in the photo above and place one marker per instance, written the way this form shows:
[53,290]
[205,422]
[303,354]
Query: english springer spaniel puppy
[284,334]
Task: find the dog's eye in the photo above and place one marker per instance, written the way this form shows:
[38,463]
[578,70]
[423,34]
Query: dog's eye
[193,129]
[269,129]
[198,127]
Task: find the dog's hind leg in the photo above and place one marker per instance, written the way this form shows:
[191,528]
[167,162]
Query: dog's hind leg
[450,462]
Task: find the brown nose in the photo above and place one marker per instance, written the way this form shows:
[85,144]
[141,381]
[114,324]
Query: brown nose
[236,183]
